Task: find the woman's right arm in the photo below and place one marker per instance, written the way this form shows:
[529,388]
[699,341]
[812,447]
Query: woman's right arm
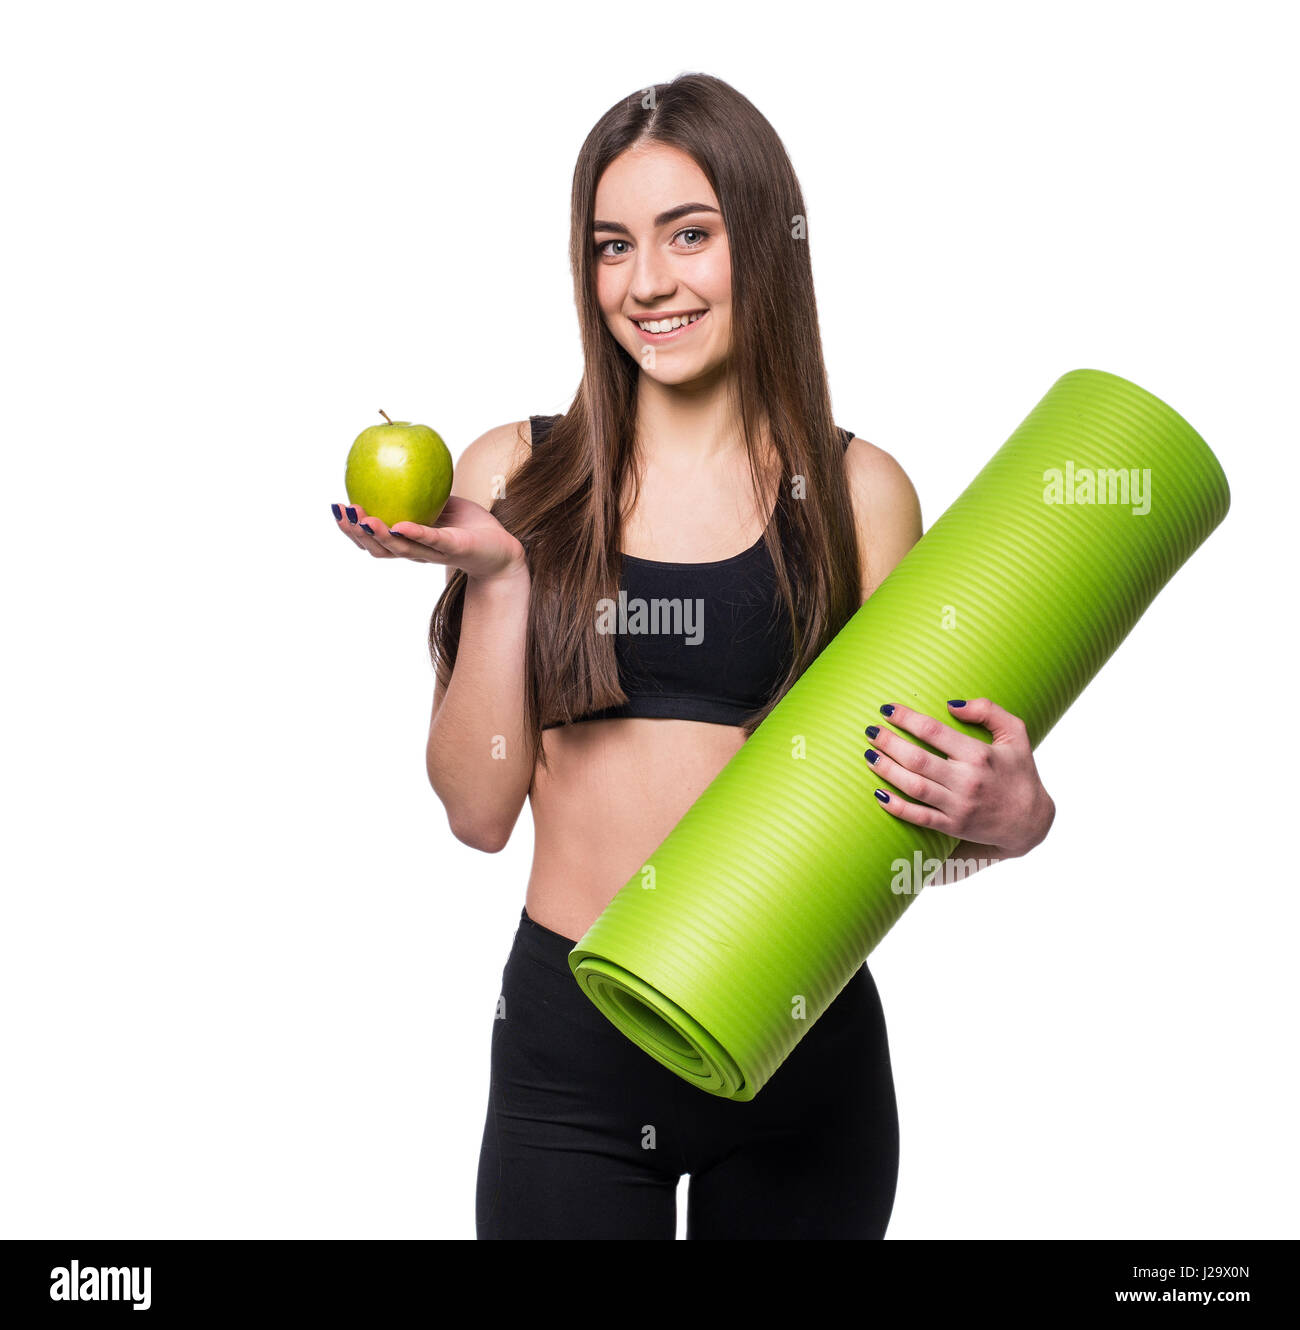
[476,757]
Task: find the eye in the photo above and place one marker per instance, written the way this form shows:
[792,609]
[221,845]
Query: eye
[693,231]
[601,248]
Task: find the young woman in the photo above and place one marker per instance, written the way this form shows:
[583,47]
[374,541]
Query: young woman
[698,461]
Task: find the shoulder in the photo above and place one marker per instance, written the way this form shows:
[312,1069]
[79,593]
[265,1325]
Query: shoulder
[886,509]
[486,464]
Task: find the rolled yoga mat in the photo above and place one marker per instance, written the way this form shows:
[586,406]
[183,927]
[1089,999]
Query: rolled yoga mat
[780,879]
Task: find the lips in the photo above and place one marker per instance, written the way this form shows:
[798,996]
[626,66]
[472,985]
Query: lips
[676,332]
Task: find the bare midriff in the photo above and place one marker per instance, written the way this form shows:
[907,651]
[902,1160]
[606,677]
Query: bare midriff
[613,791]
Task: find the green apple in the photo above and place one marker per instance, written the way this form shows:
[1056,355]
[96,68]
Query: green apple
[399,472]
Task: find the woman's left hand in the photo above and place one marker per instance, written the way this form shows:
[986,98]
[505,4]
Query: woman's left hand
[989,794]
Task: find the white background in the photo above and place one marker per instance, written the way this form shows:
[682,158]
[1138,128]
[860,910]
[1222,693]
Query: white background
[247,975]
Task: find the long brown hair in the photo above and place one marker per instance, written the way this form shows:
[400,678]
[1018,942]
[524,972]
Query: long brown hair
[562,504]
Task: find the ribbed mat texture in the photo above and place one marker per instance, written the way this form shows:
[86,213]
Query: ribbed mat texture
[763,901]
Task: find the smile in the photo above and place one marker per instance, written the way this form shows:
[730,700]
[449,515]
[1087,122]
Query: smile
[666,330]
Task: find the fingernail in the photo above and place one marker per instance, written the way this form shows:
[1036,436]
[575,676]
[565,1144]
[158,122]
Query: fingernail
[872,731]
[887,709]
[957,702]
[352,514]
[337,511]
[871,756]
[882,796]
[364,527]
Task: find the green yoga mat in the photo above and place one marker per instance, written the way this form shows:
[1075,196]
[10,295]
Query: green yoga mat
[768,895]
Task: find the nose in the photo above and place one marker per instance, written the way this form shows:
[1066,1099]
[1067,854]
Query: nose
[652,278]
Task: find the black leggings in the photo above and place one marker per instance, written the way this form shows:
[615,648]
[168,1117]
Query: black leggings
[587,1135]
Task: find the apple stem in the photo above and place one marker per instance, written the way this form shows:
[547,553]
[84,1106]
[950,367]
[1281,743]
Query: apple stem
[383,413]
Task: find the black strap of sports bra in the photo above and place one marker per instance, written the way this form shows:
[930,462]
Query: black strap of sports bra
[541,427]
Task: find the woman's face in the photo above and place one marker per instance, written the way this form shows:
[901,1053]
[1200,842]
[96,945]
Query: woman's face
[661,251]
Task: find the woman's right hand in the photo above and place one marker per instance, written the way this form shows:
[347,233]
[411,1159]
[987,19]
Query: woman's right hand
[465,536]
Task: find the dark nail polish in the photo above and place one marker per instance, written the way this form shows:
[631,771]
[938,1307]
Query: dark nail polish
[337,511]
[871,756]
[957,702]
[872,731]
[352,514]
[882,796]
[887,709]
[364,527]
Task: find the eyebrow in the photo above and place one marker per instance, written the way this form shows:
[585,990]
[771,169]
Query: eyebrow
[672,215]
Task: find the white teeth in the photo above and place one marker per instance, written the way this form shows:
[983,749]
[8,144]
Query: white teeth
[667,325]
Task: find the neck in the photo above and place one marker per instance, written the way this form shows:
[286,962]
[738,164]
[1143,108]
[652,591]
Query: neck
[677,425]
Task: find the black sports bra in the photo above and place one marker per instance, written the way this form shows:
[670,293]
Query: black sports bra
[695,641]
